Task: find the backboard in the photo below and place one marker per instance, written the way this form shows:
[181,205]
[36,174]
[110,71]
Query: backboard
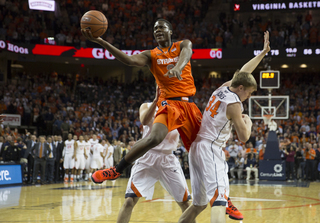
[278,106]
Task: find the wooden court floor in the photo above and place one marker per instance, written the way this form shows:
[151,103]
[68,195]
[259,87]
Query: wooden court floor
[86,202]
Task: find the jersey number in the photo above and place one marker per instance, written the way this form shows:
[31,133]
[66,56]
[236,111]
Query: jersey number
[213,108]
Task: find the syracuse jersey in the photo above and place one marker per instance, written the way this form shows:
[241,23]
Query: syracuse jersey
[69,146]
[215,125]
[164,59]
[81,147]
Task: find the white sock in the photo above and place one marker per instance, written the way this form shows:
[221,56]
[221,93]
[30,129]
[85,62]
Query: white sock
[66,175]
[71,176]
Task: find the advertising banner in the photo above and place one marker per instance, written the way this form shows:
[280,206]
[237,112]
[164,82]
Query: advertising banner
[10,174]
[198,54]
[276,6]
[100,53]
[272,170]
[10,119]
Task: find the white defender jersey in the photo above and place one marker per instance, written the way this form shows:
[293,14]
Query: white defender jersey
[170,142]
[97,149]
[87,147]
[215,125]
[69,146]
[80,149]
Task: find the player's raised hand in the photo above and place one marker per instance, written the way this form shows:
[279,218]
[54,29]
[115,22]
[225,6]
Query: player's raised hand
[87,33]
[174,72]
[266,46]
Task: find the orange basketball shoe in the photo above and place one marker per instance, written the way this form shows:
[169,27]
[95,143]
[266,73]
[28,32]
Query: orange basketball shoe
[233,212]
[107,174]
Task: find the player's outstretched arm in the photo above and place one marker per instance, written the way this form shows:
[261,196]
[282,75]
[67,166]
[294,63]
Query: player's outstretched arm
[254,62]
[139,60]
[184,58]
[146,114]
[241,122]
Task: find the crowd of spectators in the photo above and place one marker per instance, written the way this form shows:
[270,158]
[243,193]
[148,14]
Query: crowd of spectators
[130,22]
[59,105]
[131,25]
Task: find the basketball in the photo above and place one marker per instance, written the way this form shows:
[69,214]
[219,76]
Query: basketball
[95,21]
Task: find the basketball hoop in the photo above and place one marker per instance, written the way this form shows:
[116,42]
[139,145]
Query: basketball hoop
[267,119]
[272,125]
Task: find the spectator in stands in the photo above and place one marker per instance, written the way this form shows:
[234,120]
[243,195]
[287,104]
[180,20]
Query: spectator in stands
[8,139]
[310,155]
[251,165]
[282,151]
[65,127]
[262,151]
[300,163]
[57,126]
[252,139]
[233,151]
[250,148]
[290,154]
[179,152]
[12,107]
[318,163]
[239,166]
[186,170]
[23,149]
[11,152]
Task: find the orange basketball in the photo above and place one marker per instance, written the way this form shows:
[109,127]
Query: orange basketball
[95,21]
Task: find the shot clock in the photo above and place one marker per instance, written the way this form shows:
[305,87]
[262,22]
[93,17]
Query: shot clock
[270,79]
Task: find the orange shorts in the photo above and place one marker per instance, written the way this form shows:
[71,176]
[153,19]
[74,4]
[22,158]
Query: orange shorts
[184,116]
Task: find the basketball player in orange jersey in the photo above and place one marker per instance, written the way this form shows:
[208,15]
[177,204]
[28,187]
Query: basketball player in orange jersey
[170,65]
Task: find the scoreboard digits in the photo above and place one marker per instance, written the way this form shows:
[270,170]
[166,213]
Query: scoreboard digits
[269,79]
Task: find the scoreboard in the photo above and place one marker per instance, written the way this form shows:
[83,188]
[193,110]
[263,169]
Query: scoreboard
[270,79]
[291,52]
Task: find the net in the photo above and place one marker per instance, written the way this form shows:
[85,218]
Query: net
[267,119]
[272,125]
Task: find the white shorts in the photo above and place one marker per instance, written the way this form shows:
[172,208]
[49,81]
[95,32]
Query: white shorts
[154,166]
[88,162]
[80,163]
[68,161]
[96,162]
[108,162]
[208,174]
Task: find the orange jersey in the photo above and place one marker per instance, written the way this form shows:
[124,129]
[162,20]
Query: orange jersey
[164,59]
